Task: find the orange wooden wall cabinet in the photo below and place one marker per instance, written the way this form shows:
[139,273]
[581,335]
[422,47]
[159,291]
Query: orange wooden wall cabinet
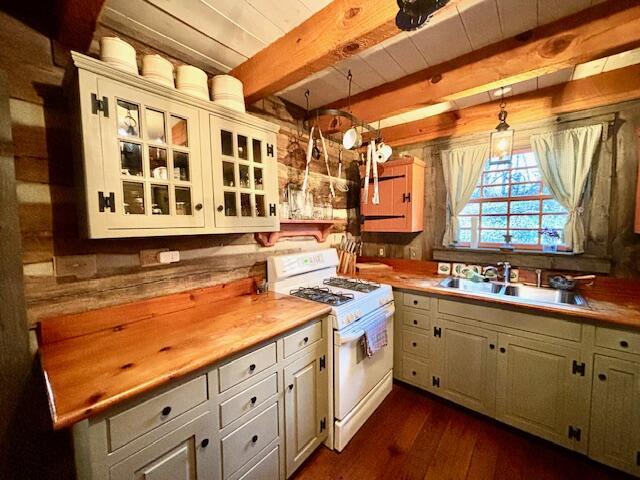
[637,225]
[401,207]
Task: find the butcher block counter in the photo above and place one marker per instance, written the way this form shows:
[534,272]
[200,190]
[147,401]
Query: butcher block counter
[610,300]
[131,349]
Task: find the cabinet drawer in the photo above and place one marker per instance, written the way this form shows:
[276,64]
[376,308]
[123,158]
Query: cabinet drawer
[266,469]
[417,301]
[136,421]
[415,371]
[247,366]
[415,318]
[616,339]
[248,400]
[247,441]
[415,343]
[303,338]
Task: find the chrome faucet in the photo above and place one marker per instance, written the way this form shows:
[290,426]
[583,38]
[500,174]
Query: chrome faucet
[538,278]
[506,271]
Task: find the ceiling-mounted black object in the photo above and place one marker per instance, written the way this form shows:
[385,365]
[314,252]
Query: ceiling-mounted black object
[414,14]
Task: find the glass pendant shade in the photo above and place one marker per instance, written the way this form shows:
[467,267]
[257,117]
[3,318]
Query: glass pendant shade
[501,146]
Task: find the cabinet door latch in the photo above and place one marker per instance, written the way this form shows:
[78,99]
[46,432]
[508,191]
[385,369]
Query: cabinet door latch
[269,150]
[323,424]
[575,433]
[578,368]
[106,201]
[437,332]
[323,363]
[435,381]
[98,105]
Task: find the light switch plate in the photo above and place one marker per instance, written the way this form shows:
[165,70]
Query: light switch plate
[79,266]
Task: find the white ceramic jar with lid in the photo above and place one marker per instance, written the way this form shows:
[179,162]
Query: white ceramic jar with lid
[158,69]
[118,53]
[192,80]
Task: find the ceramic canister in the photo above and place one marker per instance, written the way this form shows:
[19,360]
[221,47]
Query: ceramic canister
[158,69]
[118,53]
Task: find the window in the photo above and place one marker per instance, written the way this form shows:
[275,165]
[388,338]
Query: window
[512,200]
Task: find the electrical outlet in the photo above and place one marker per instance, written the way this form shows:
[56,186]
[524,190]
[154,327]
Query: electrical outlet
[412,253]
[150,258]
[381,252]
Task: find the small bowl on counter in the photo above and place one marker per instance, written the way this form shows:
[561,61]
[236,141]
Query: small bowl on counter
[192,80]
[119,54]
[158,69]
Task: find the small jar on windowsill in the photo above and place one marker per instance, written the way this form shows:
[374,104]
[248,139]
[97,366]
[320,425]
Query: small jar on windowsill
[550,240]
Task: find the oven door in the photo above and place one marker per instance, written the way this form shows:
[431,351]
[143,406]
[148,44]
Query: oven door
[355,374]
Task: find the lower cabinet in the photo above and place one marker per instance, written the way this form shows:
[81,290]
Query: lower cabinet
[465,358]
[185,454]
[538,387]
[306,408]
[615,417]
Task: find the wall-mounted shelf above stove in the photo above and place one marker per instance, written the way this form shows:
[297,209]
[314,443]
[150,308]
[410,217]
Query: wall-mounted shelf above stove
[298,228]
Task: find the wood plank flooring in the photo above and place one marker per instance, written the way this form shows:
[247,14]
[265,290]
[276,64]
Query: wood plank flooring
[415,435]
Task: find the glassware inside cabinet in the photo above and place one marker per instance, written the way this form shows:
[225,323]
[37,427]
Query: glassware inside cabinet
[243,149]
[230,209]
[228,174]
[133,194]
[257,178]
[159,199]
[260,210]
[183,201]
[245,179]
[128,115]
[131,159]
[158,163]
[245,205]
[181,166]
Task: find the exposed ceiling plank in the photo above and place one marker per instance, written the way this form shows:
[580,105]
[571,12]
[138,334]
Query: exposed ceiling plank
[603,30]
[604,89]
[338,31]
[76,22]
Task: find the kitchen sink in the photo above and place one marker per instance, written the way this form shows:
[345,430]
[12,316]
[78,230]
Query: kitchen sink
[523,292]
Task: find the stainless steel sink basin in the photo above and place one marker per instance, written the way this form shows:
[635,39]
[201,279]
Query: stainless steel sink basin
[523,292]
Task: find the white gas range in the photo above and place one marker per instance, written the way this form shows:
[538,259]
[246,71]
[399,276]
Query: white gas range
[360,383]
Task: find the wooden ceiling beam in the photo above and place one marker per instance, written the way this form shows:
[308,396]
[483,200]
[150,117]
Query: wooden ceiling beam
[599,90]
[338,31]
[608,28]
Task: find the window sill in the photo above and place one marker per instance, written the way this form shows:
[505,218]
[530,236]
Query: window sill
[525,259]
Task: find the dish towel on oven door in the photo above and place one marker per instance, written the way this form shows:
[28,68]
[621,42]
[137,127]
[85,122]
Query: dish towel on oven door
[375,337]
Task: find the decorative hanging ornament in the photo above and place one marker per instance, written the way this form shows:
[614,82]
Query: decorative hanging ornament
[502,138]
[413,14]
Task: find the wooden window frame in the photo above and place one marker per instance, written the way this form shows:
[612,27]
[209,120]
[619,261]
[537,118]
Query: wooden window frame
[540,198]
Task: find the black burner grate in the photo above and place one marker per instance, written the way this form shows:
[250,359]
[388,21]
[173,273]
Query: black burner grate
[351,284]
[322,295]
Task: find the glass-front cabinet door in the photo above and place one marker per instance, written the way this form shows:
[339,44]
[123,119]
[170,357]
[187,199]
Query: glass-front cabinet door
[151,160]
[244,175]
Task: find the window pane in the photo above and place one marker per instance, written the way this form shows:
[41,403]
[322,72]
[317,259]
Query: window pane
[257,176]
[228,175]
[260,210]
[128,119]
[526,175]
[552,206]
[158,163]
[527,159]
[245,180]
[465,235]
[230,204]
[525,237]
[226,140]
[527,206]
[183,201]
[525,190]
[159,200]
[133,194]
[476,194]
[464,222]
[155,126]
[257,151]
[494,207]
[494,221]
[495,192]
[180,166]
[179,131]
[492,236]
[554,221]
[245,205]
[243,151]
[524,221]
[131,159]
[471,209]
[496,178]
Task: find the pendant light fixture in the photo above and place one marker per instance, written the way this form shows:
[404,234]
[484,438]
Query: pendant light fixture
[502,137]
[414,14]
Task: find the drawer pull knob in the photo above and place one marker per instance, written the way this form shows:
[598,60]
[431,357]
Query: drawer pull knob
[204,443]
[492,346]
[291,386]
[198,206]
[166,411]
[415,322]
[254,439]
[415,302]
[602,377]
[502,349]
[252,367]
[254,400]
[624,344]
[413,372]
[414,344]
[220,208]
[305,339]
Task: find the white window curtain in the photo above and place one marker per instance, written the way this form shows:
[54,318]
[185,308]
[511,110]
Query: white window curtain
[462,169]
[565,160]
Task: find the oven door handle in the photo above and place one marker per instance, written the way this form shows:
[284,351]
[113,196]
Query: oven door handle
[385,313]
[351,338]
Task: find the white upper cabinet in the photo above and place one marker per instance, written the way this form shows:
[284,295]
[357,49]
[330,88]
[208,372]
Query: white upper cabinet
[154,161]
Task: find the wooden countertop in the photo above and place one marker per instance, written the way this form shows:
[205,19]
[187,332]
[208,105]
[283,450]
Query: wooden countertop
[610,300]
[89,373]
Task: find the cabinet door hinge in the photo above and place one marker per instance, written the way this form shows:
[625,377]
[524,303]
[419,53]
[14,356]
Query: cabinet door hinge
[323,363]
[437,332]
[272,209]
[323,424]
[98,105]
[406,197]
[578,368]
[106,201]
[574,432]
[435,381]
[269,150]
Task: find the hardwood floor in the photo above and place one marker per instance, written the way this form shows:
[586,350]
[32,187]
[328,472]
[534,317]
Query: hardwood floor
[414,435]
